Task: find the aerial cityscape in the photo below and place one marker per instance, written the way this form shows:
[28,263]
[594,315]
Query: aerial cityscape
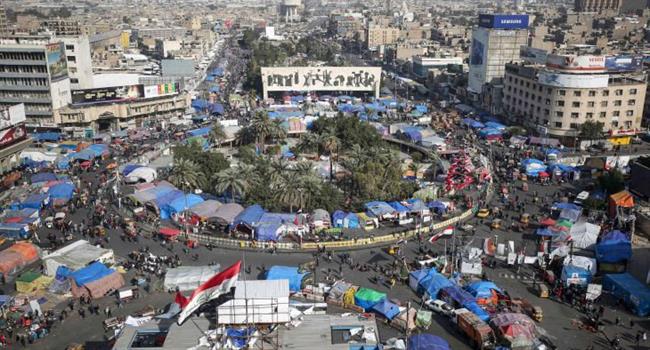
[324,174]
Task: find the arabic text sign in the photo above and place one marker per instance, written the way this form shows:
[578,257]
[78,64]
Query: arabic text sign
[321,78]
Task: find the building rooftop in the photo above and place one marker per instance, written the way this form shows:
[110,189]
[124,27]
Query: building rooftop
[262,289]
[330,332]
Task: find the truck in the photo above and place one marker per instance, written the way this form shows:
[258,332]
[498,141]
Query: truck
[523,306]
[479,333]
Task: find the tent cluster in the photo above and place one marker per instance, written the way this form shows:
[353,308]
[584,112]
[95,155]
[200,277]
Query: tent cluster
[95,280]
[87,154]
[134,173]
[205,106]
[164,199]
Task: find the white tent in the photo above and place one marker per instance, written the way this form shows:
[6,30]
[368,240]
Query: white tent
[581,261]
[187,278]
[145,174]
[38,156]
[584,235]
[77,255]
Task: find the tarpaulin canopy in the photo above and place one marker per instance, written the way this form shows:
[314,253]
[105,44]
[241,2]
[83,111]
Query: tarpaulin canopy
[482,289]
[61,191]
[16,257]
[474,124]
[584,234]
[386,309]
[199,104]
[614,247]
[415,277]
[432,283]
[416,205]
[562,206]
[216,108]
[427,342]
[199,132]
[145,174]
[571,214]
[150,194]
[206,209]
[290,273]
[90,273]
[342,219]
[495,125]
[622,199]
[320,217]
[187,278]
[46,136]
[75,256]
[504,322]
[635,294]
[179,204]
[226,214]
[455,295]
[572,274]
[398,207]
[169,231]
[584,262]
[129,168]
[366,298]
[43,177]
[35,201]
[250,216]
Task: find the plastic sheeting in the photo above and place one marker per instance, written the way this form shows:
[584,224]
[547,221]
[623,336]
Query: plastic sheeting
[187,278]
[35,201]
[342,219]
[572,274]
[75,256]
[250,216]
[614,247]
[43,177]
[90,273]
[634,293]
[180,204]
[289,273]
[145,174]
[427,342]
[206,209]
[150,194]
[386,308]
[227,213]
[366,298]
[16,257]
[584,235]
[379,209]
[62,191]
[99,287]
[432,283]
[482,289]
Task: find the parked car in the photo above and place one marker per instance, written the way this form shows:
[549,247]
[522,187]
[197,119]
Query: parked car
[439,306]
[483,213]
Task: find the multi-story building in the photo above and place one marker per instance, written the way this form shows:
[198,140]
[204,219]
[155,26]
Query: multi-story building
[4,26]
[558,98]
[63,27]
[80,64]
[379,35]
[13,136]
[422,65]
[597,5]
[495,42]
[34,71]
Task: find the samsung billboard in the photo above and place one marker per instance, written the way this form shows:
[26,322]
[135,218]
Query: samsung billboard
[503,21]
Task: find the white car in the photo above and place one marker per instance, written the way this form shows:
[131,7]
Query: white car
[439,306]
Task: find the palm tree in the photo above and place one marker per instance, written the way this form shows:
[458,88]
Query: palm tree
[186,175]
[304,168]
[232,181]
[217,135]
[415,168]
[261,126]
[331,144]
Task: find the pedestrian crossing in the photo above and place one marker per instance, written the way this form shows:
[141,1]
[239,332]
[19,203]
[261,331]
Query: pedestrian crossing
[515,276]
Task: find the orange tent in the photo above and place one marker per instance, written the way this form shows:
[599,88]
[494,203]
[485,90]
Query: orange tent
[622,199]
[16,257]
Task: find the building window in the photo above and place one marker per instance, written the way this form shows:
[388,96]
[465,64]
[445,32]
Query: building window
[592,93]
[559,103]
[603,103]
[589,115]
[548,101]
[559,114]
[547,112]
[577,93]
[632,91]
[616,113]
[69,48]
[573,126]
[631,102]
[618,92]
[618,103]
[558,124]
[74,81]
[561,92]
[629,113]
[575,115]
[603,115]
[72,59]
[605,92]
[614,124]
[591,104]
[549,90]
[575,104]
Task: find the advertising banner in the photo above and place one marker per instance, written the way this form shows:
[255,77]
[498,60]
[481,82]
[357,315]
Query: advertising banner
[107,94]
[623,63]
[573,81]
[12,135]
[533,55]
[11,116]
[576,64]
[321,78]
[503,21]
[478,53]
[56,61]
[160,90]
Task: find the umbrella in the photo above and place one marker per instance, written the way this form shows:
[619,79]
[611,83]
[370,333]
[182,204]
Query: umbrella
[547,222]
[543,174]
[169,232]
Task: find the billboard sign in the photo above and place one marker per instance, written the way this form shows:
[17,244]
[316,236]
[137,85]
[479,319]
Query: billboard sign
[12,135]
[503,21]
[576,64]
[160,90]
[107,94]
[56,61]
[321,78]
[11,116]
[623,63]
[533,55]
[593,81]
[477,53]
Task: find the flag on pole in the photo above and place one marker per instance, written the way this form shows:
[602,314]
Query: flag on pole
[446,232]
[217,285]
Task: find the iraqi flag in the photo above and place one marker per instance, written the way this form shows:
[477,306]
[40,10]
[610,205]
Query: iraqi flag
[446,232]
[219,284]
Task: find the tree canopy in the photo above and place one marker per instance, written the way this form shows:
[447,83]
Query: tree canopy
[591,130]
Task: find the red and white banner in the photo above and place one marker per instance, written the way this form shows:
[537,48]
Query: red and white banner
[446,232]
[219,284]
[13,134]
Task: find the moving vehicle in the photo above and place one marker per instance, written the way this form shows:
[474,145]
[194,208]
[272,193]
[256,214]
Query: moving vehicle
[440,307]
[581,197]
[523,306]
[483,213]
[480,334]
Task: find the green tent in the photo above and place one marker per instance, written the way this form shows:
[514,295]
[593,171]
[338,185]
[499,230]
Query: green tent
[367,298]
[28,277]
[423,319]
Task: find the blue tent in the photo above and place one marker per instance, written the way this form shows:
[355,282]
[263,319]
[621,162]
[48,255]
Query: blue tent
[216,108]
[455,295]
[215,89]
[474,124]
[425,341]
[240,337]
[199,132]
[421,108]
[386,309]
[399,207]
[14,230]
[415,277]
[432,283]
[35,201]
[199,104]
[341,219]
[43,177]
[217,72]
[495,125]
[90,273]
[562,206]
[61,191]
[416,205]
[129,168]
[46,136]
[545,232]
[180,204]
[267,229]
[571,214]
[635,294]
[249,217]
[614,247]
[474,307]
[287,273]
[482,289]
[485,132]
[438,206]
[575,275]
[379,209]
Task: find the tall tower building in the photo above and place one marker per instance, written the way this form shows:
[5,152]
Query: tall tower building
[495,42]
[4,26]
[597,5]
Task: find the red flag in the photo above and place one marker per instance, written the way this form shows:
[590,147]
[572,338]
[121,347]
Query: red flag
[217,285]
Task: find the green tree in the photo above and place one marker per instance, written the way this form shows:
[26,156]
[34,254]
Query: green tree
[217,135]
[186,175]
[591,130]
[612,181]
[230,180]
